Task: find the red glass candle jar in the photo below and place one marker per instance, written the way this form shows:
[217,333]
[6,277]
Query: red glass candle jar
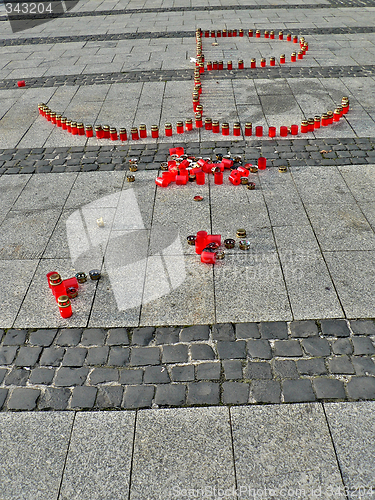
[310,121]
[240,64]
[53,117]
[248,129]
[225,128]
[208,256]
[65,307]
[220,65]
[123,134]
[200,109]
[283,131]
[317,122]
[207,33]
[263,62]
[301,41]
[142,131]
[215,127]
[57,285]
[282,59]
[195,103]
[201,68]
[200,177]
[262,163]
[168,129]
[98,131]
[218,176]
[271,131]
[106,133]
[63,122]
[258,131]
[243,171]
[281,35]
[253,63]
[189,124]
[40,108]
[330,117]
[230,33]
[235,178]
[304,126]
[230,65]
[218,33]
[209,66]
[236,129]
[234,32]
[224,33]
[181,180]
[227,163]
[266,34]
[208,124]
[68,126]
[251,33]
[300,54]
[336,115]
[58,120]
[48,277]
[89,131]
[134,134]
[324,121]
[113,134]
[257,33]
[180,127]
[198,120]
[73,128]
[162,181]
[294,129]
[80,129]
[154,131]
[212,33]
[240,32]
[272,61]
[293,57]
[272,35]
[48,114]
[340,108]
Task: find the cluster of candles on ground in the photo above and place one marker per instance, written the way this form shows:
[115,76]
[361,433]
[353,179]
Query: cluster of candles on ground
[141,132]
[65,290]
[210,247]
[181,169]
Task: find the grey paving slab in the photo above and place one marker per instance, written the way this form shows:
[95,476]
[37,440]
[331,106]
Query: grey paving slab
[256,282]
[10,189]
[304,463]
[351,424]
[360,180]
[16,276]
[33,453]
[98,463]
[46,314]
[181,450]
[353,275]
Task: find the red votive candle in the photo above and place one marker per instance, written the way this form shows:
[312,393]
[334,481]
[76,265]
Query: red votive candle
[134,134]
[271,131]
[200,177]
[142,131]
[272,61]
[154,131]
[64,306]
[294,129]
[262,163]
[225,129]
[236,129]
[215,127]
[123,134]
[180,127]
[189,124]
[168,129]
[248,129]
[283,131]
[229,65]
[263,62]
[259,131]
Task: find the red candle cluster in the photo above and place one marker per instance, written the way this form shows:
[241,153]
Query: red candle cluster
[63,290]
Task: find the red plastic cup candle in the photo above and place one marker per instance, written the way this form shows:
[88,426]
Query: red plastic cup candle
[236,129]
[200,177]
[48,277]
[162,181]
[69,127]
[227,163]
[218,33]
[281,35]
[317,122]
[224,33]
[266,34]
[251,33]
[248,129]
[259,131]
[80,129]
[71,282]
[198,120]
[230,33]
[57,286]
[63,122]
[212,33]
[336,115]
[294,129]
[208,256]
[263,62]
[293,57]
[324,121]
[235,178]
[240,32]
[64,306]
[330,117]
[89,131]
[180,127]
[168,129]
[98,131]
[189,124]
[134,134]
[215,65]
[208,124]
[225,129]
[218,176]
[234,32]
[73,128]
[53,117]
[272,35]
[283,131]
[310,122]
[123,134]
[257,33]
[271,131]
[304,126]
[300,54]
[142,131]
[243,171]
[215,127]
[113,134]
[209,66]
[154,131]
[21,83]
[262,163]
[272,61]
[221,65]
[206,33]
[229,65]
[181,180]
[282,59]
[253,63]
[58,120]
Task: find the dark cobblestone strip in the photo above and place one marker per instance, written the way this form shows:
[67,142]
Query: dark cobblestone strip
[186,74]
[296,152]
[155,10]
[172,34]
[276,362]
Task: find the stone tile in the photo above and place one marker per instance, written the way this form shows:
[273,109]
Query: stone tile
[247,331]
[143,336]
[349,423]
[196,332]
[328,388]
[235,393]
[361,388]
[363,327]
[259,430]
[195,442]
[285,368]
[360,180]
[316,346]
[265,391]
[16,277]
[208,371]
[363,365]
[42,338]
[335,328]
[54,399]
[170,395]
[302,329]
[273,330]
[109,397]
[362,346]
[260,277]
[353,277]
[140,396]
[99,457]
[259,349]
[298,391]
[287,348]
[182,373]
[313,366]
[342,346]
[35,466]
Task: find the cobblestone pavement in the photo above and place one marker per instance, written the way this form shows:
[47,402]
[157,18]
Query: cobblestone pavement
[58,369]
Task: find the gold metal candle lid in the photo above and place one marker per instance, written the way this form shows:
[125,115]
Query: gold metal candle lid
[241,233]
[248,125]
[134,130]
[244,244]
[80,125]
[168,125]
[130,178]
[122,130]
[63,301]
[283,169]
[317,118]
[142,126]
[55,279]
[106,128]
[153,127]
